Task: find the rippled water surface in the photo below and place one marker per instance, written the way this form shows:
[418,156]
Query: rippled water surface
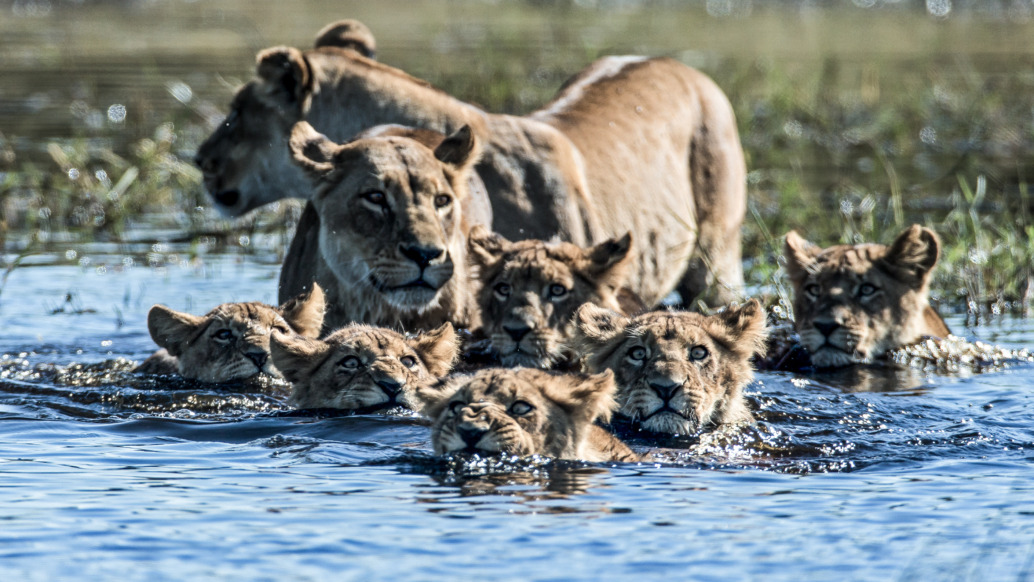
[872,473]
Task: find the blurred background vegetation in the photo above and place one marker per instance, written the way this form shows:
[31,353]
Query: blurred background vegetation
[858,117]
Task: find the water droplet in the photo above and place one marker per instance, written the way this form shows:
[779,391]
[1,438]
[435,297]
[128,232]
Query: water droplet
[117,113]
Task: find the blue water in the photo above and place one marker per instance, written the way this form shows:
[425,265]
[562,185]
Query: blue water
[104,476]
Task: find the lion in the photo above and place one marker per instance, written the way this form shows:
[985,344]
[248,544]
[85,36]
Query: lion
[677,372]
[362,368]
[230,342]
[853,303]
[524,411]
[630,143]
[388,243]
[530,289]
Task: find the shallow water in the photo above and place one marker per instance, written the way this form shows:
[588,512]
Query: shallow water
[104,473]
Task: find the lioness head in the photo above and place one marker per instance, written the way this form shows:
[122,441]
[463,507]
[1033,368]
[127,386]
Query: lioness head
[360,367]
[231,342]
[390,213]
[677,372]
[245,163]
[530,289]
[521,411]
[852,303]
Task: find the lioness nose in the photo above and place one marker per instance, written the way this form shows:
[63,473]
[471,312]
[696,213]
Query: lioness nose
[420,255]
[471,435]
[826,328]
[664,389]
[259,358]
[516,332]
[390,386]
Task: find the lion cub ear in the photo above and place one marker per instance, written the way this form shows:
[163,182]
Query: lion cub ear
[460,150]
[432,399]
[304,312]
[172,329]
[312,150]
[485,246]
[591,398]
[800,255]
[438,349]
[743,328]
[596,325]
[608,261]
[913,254]
[296,356]
[350,34]
[284,71]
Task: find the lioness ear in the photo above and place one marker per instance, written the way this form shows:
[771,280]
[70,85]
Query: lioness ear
[437,348]
[350,34]
[172,329]
[460,150]
[312,150]
[485,246]
[608,260]
[913,254]
[742,329]
[592,397]
[800,255]
[296,356]
[304,313]
[284,69]
[597,325]
[431,399]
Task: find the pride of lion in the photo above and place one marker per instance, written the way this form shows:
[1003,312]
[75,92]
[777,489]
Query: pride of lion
[504,276]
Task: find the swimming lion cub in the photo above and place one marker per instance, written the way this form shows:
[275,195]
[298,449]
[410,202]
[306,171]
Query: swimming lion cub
[853,303]
[524,411]
[361,367]
[230,342]
[677,372]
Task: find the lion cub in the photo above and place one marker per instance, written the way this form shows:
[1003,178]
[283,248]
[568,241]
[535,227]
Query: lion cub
[363,368]
[531,288]
[677,372]
[524,411]
[231,342]
[853,303]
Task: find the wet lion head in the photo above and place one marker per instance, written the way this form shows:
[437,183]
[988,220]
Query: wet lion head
[677,372]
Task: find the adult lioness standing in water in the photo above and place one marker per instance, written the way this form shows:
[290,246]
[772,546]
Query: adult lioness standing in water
[629,144]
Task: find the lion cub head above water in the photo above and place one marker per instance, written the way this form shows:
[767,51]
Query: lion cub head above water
[677,372]
[523,412]
[361,367]
[231,342]
[531,288]
[853,303]
[392,248]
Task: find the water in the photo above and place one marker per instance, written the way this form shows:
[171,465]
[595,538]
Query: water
[103,474]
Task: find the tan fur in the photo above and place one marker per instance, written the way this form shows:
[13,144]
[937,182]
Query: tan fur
[853,303]
[360,367]
[677,372]
[390,245]
[524,411]
[629,144]
[530,289]
[231,342]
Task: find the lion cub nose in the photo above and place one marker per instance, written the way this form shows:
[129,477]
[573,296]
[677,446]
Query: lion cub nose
[826,328]
[390,386]
[517,332]
[259,358]
[420,255]
[471,435]
[664,389]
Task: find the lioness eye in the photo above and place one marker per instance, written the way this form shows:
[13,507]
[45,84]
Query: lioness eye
[375,197]
[456,406]
[223,334]
[812,289]
[350,363]
[866,289]
[557,290]
[502,289]
[698,353]
[408,361]
[520,408]
[442,200]
[638,353]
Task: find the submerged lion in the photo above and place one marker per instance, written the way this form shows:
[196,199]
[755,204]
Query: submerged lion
[853,303]
[629,144]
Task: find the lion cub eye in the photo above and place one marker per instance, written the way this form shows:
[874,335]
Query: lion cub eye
[408,361]
[223,334]
[556,291]
[698,353]
[350,363]
[376,197]
[637,353]
[502,290]
[520,408]
[442,200]
[866,289]
[812,290]
[456,406]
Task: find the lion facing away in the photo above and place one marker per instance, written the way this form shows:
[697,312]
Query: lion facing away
[853,303]
[390,239]
[629,144]
[524,411]
[230,342]
[361,367]
[677,372]
[530,289]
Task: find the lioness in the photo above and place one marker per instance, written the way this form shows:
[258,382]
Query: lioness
[677,372]
[362,368]
[230,342]
[630,143]
[524,411]
[530,289]
[852,303]
[390,246]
